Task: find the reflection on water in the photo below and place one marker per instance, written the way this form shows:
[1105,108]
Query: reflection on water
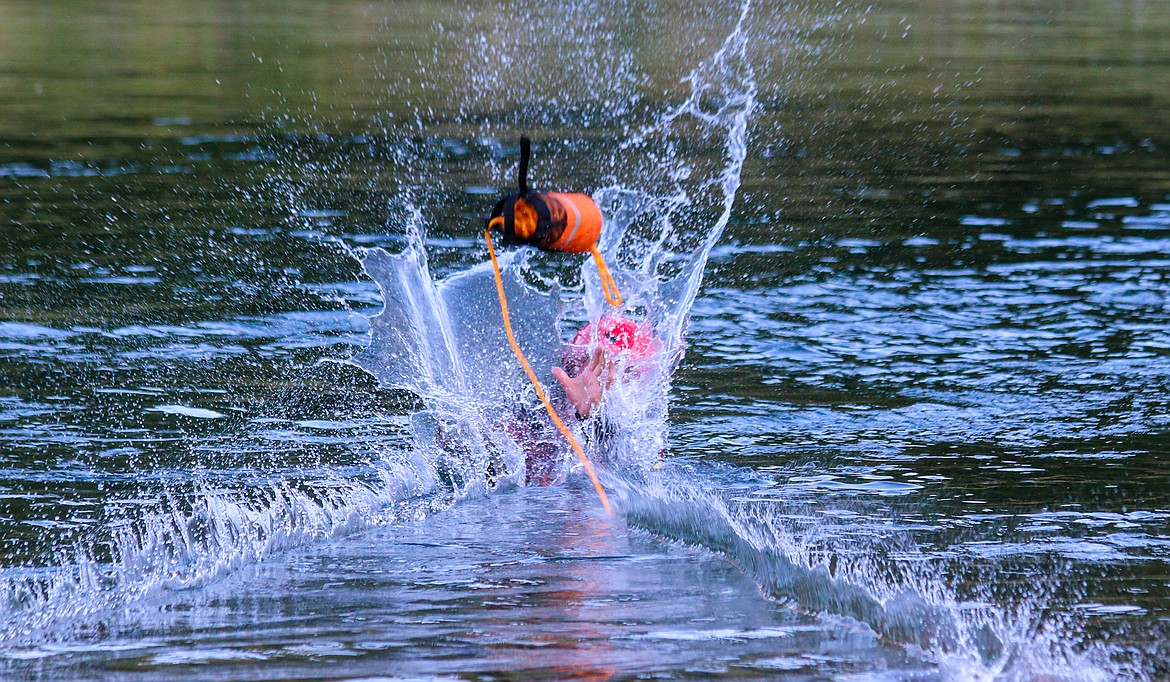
[931,351]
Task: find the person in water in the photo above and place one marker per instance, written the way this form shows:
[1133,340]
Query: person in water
[615,335]
[621,345]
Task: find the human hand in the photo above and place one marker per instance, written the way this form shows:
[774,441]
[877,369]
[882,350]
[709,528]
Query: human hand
[585,390]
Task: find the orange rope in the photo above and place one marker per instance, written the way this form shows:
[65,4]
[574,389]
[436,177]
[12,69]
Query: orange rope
[612,295]
[536,384]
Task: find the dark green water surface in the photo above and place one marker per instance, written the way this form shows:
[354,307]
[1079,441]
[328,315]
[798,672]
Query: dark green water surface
[935,331]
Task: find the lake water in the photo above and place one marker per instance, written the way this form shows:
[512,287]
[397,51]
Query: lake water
[920,429]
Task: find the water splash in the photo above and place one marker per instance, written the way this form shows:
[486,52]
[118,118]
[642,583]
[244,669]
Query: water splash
[444,342]
[192,539]
[809,555]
